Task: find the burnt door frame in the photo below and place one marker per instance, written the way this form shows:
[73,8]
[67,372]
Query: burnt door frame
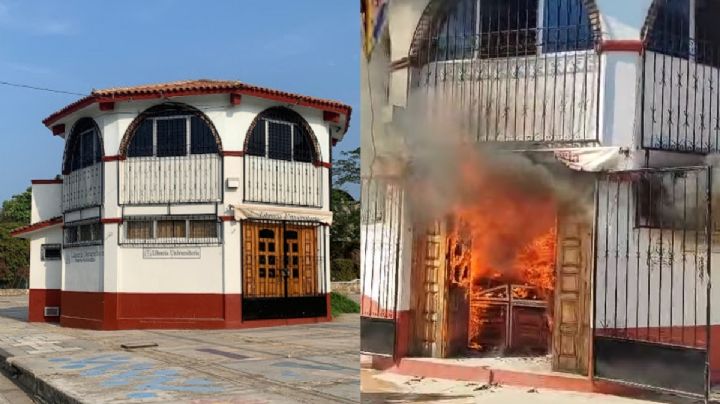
[653,245]
[281,304]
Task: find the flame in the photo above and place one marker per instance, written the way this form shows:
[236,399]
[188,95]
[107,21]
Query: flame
[505,234]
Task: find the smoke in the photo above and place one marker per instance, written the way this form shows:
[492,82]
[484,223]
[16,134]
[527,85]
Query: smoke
[508,199]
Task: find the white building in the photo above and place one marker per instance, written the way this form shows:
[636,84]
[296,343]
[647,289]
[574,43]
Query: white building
[628,91]
[193,204]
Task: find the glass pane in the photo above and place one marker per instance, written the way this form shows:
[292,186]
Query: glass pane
[302,148]
[566,26]
[279,141]
[170,229]
[86,233]
[261,272]
[139,230]
[203,229]
[51,252]
[267,233]
[87,149]
[141,144]
[171,137]
[202,140]
[271,259]
[256,143]
[71,234]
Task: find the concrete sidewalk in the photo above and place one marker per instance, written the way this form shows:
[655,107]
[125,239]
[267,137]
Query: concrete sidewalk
[315,363]
[382,387]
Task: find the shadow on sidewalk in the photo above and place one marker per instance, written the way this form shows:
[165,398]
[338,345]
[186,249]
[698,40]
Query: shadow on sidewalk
[15,313]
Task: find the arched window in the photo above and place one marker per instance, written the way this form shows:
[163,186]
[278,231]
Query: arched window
[281,134]
[172,130]
[485,29]
[84,147]
[686,29]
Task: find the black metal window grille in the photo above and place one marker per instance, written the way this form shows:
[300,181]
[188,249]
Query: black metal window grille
[502,28]
[172,135]
[516,70]
[171,230]
[280,140]
[83,233]
[652,284]
[686,29]
[681,103]
[51,252]
[85,148]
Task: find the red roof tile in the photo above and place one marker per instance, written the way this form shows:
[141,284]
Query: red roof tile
[196,87]
[37,226]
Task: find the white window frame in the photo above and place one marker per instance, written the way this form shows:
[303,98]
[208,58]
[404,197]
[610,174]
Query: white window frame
[187,240]
[44,247]
[292,125]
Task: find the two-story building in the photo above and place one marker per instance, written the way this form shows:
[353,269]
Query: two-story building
[617,103]
[192,204]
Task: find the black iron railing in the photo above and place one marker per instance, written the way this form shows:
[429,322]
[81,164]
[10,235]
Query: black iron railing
[512,71]
[680,97]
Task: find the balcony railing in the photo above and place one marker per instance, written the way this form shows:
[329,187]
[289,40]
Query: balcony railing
[180,179]
[531,85]
[680,103]
[283,182]
[82,188]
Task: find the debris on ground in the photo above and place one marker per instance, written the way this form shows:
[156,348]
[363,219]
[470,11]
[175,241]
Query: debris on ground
[533,390]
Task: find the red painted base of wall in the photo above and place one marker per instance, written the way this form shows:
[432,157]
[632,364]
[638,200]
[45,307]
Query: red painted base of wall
[123,311]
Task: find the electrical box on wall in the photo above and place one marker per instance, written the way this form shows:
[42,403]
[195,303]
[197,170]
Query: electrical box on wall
[233,183]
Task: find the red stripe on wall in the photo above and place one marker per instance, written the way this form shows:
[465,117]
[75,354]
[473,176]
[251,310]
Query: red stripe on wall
[233,153]
[622,45]
[111,220]
[117,311]
[46,182]
[38,299]
[115,157]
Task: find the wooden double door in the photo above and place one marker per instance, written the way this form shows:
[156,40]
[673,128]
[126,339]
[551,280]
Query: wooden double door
[280,260]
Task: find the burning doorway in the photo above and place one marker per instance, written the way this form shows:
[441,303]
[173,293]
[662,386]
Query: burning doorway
[506,275]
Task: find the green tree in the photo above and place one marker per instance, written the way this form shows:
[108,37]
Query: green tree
[14,252]
[17,208]
[345,231]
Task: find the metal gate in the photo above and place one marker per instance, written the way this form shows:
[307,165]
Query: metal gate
[381,224]
[284,269]
[653,248]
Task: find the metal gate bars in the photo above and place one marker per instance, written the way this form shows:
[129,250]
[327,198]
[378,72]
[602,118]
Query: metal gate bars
[381,224]
[653,249]
[284,269]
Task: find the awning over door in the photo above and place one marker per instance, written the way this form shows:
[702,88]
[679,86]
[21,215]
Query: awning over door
[285,214]
[595,159]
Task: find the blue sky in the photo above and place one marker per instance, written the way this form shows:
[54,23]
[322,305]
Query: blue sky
[310,47]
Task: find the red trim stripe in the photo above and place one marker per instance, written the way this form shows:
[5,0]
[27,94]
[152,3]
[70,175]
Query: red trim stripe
[233,153]
[226,218]
[36,226]
[622,45]
[58,130]
[115,157]
[111,220]
[322,164]
[106,105]
[44,182]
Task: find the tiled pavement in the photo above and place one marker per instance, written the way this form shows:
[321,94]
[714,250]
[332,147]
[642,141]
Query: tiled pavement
[315,363]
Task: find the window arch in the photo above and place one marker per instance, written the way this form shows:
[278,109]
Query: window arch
[485,29]
[83,147]
[685,29]
[169,130]
[281,134]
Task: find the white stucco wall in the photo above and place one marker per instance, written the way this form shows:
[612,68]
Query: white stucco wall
[46,202]
[45,274]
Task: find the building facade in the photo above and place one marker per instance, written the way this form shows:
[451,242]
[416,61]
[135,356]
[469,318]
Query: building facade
[616,98]
[195,204]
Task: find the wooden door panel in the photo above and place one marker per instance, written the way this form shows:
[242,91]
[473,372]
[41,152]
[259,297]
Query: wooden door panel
[571,311]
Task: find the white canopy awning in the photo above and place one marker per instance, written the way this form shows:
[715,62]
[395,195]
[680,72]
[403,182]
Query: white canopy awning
[594,159]
[290,214]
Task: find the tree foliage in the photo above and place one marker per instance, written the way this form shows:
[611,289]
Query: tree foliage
[17,208]
[14,252]
[345,231]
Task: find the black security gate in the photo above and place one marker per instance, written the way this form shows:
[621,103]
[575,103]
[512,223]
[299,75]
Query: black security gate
[653,247]
[284,269]
[381,219]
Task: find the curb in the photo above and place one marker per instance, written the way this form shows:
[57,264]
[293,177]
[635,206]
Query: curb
[37,388]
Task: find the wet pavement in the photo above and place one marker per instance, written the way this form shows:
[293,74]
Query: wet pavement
[316,363]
